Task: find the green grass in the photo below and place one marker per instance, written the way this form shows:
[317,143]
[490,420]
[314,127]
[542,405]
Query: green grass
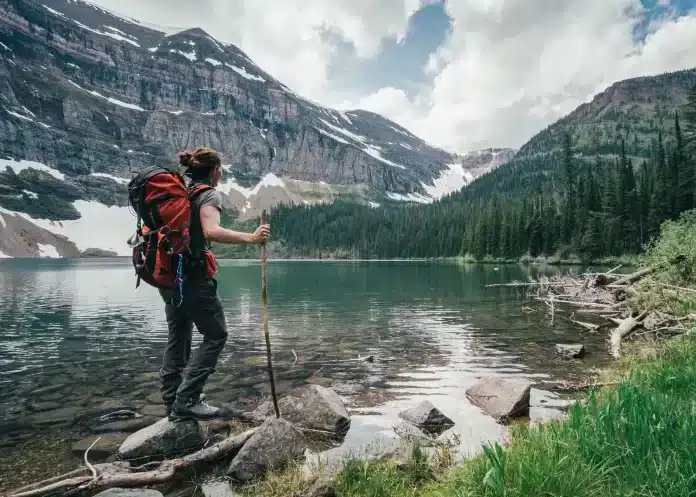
[637,440]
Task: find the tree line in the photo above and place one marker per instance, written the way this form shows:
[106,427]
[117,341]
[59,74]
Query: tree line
[560,204]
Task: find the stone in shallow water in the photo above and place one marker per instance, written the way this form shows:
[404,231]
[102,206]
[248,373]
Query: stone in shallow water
[107,445]
[64,417]
[567,351]
[314,407]
[164,438]
[276,443]
[427,417]
[157,411]
[129,492]
[43,406]
[538,415]
[501,398]
[155,398]
[125,425]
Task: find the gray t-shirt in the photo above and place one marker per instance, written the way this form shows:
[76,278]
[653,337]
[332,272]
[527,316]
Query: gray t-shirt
[208,197]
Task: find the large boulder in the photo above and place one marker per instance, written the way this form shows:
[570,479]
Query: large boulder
[427,417]
[314,407]
[274,444]
[567,351]
[501,398]
[164,438]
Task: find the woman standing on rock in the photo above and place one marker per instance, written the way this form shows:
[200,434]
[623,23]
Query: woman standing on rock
[200,303]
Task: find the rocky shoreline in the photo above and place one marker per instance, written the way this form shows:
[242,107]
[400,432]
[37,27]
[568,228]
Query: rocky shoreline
[131,447]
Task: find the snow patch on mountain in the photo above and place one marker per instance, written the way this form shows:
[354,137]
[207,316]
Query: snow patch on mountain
[451,180]
[190,56]
[243,72]
[48,251]
[21,165]
[55,12]
[122,181]
[89,230]
[369,149]
[411,197]
[115,36]
[112,100]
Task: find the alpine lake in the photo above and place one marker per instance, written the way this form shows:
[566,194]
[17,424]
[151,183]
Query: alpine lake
[78,338]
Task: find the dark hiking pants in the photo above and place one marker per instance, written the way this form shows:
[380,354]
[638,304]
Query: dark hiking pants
[201,306]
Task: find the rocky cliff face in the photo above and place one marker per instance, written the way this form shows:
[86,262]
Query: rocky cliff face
[87,98]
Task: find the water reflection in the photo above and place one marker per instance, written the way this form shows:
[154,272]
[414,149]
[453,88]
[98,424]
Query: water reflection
[78,333]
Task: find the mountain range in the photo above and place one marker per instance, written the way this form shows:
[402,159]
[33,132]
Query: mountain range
[88,97]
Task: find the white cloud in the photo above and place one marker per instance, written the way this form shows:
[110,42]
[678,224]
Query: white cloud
[287,38]
[511,67]
[507,69]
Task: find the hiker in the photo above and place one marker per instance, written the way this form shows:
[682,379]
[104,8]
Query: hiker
[199,302]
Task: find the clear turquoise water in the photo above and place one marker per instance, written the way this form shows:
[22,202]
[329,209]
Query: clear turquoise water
[75,333]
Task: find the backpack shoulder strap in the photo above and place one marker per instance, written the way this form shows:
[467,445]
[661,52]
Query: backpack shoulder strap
[198,188]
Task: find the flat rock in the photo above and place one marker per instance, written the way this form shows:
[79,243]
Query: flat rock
[274,444]
[567,351]
[164,438]
[538,415]
[125,425]
[154,410]
[501,398]
[64,416]
[217,489]
[155,398]
[106,446]
[129,492]
[427,417]
[43,406]
[313,406]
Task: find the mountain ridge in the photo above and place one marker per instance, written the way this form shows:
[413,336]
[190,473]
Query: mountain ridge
[92,97]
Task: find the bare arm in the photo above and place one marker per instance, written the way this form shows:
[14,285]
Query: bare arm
[210,221]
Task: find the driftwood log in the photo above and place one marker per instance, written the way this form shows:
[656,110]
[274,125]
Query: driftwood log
[95,477]
[625,328]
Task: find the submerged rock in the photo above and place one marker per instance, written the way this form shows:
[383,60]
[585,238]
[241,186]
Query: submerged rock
[276,443]
[314,407]
[129,492]
[501,398]
[567,351]
[164,438]
[155,410]
[427,417]
[125,425]
[64,417]
[106,446]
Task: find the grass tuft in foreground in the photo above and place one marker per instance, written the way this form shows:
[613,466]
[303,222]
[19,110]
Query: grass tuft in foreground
[638,439]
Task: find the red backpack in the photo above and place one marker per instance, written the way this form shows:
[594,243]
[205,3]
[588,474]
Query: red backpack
[161,243]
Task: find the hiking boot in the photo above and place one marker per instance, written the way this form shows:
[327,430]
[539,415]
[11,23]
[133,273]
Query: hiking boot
[168,407]
[200,410]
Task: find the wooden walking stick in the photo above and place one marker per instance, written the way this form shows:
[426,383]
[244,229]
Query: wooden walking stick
[264,305]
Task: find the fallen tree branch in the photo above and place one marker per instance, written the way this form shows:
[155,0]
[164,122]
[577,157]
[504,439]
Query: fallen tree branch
[163,473]
[95,475]
[625,328]
[589,326]
[635,276]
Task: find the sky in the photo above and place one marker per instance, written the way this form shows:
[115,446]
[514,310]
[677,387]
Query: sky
[461,74]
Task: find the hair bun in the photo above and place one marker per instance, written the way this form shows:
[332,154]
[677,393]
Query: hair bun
[186,159]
